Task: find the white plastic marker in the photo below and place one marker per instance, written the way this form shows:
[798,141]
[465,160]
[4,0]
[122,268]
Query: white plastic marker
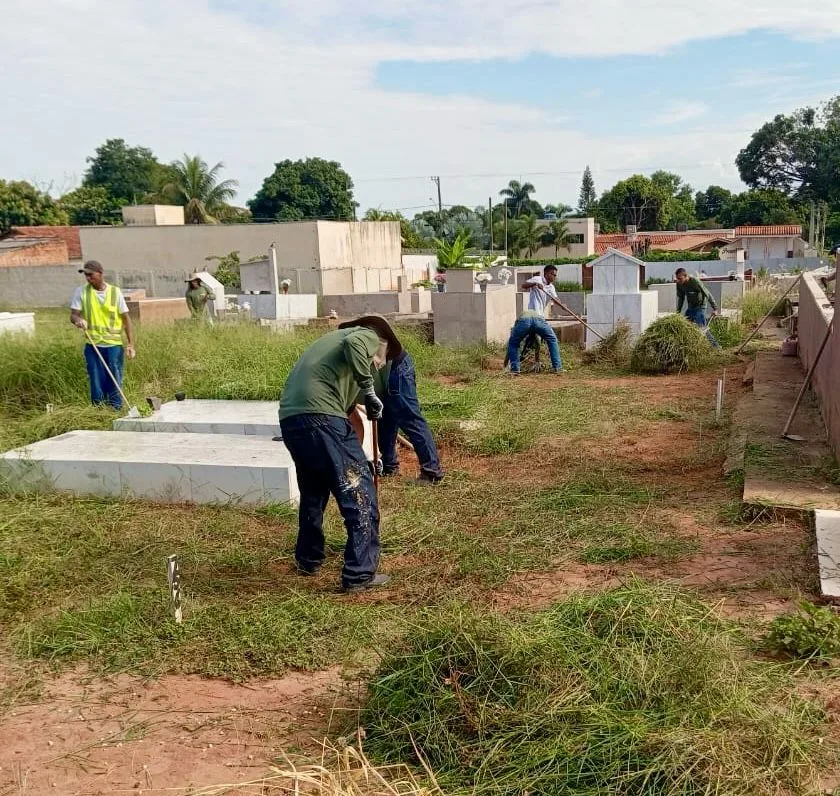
[173,574]
[719,406]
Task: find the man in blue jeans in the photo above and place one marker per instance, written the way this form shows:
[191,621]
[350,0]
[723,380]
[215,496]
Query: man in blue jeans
[692,291]
[318,395]
[541,291]
[398,390]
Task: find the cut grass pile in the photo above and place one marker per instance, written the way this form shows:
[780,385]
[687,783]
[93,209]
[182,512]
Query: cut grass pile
[641,690]
[613,350]
[671,345]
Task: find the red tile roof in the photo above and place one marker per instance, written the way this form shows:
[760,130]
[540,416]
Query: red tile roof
[782,230]
[670,241]
[70,236]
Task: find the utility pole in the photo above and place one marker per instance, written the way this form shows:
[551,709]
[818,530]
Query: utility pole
[490,219]
[436,181]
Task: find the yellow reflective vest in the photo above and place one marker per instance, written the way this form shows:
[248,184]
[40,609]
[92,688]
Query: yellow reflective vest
[104,321]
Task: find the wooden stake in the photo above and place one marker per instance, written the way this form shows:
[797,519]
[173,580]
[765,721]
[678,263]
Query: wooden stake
[173,575]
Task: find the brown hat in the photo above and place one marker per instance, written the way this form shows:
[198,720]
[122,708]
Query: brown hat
[92,266]
[193,277]
[378,324]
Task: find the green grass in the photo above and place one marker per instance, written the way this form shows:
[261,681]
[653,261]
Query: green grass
[757,303]
[640,690]
[671,345]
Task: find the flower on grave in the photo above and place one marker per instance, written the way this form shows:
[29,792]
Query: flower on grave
[285,284]
[441,278]
[504,275]
[483,277]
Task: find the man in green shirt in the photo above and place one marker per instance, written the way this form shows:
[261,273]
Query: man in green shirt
[198,294]
[693,291]
[318,396]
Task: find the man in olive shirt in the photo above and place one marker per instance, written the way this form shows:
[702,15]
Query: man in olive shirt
[319,394]
[691,290]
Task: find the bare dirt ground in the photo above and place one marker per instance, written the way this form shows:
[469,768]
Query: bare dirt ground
[87,735]
[172,735]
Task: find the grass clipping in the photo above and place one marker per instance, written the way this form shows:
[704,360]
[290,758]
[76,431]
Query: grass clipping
[671,345]
[637,690]
[614,349]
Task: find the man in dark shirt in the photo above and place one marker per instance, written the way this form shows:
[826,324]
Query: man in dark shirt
[691,290]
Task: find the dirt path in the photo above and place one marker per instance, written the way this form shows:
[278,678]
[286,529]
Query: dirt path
[125,735]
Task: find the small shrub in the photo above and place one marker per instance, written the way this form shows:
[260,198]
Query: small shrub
[568,287]
[614,349]
[814,632]
[757,303]
[671,345]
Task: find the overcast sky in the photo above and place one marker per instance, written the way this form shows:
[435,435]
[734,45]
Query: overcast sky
[477,92]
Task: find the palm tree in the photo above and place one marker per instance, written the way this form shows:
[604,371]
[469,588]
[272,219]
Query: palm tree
[452,255]
[198,188]
[557,235]
[518,195]
[528,234]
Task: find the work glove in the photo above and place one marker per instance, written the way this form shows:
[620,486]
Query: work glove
[373,406]
[376,468]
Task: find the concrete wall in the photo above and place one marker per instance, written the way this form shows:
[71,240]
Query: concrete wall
[815,314]
[365,244]
[576,226]
[353,304]
[469,318]
[153,215]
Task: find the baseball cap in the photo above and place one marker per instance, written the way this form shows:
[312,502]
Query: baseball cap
[92,266]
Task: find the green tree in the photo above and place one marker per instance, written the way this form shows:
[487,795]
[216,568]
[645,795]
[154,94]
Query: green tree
[677,200]
[588,198]
[452,255]
[635,201]
[409,235]
[560,209]
[518,195]
[227,270]
[198,189]
[527,234]
[759,207]
[311,188]
[86,206]
[556,234]
[709,203]
[23,205]
[798,154]
[230,214]
[129,174]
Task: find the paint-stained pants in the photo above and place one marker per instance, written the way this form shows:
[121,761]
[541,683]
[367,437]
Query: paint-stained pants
[698,317]
[102,387]
[329,460]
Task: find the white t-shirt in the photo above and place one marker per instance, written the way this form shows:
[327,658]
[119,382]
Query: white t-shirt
[537,300]
[76,302]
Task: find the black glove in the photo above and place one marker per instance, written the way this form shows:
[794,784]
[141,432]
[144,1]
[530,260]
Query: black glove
[373,406]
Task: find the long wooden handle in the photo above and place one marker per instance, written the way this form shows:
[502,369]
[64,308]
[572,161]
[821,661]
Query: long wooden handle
[107,369]
[576,317]
[764,319]
[375,429]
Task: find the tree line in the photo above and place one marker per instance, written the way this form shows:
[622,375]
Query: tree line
[791,166]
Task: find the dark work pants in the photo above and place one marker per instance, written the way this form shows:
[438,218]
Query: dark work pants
[698,317]
[402,412]
[329,460]
[102,387]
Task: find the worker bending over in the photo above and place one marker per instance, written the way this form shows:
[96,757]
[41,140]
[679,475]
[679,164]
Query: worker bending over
[692,291]
[396,385]
[541,291]
[320,392]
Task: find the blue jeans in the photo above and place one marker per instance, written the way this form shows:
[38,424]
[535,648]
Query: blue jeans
[330,461]
[102,387]
[402,411]
[521,329]
[698,317]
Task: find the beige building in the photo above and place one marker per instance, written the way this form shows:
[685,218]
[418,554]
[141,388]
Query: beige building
[318,256]
[153,215]
[582,233]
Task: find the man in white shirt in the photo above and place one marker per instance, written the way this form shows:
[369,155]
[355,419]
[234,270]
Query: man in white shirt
[100,310]
[532,321]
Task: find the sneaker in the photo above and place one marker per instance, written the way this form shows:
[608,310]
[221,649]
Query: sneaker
[429,479]
[277,439]
[358,588]
[308,572]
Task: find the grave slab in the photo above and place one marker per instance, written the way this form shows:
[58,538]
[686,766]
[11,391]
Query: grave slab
[827,526]
[17,322]
[164,467]
[208,416]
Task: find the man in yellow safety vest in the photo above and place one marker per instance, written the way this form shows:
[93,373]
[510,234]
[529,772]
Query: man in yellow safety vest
[100,309]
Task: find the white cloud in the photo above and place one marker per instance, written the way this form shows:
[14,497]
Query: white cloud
[278,79]
[681,111]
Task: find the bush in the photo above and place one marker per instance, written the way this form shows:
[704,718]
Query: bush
[679,257]
[519,263]
[629,692]
[726,331]
[614,349]
[671,345]
[568,287]
[812,633]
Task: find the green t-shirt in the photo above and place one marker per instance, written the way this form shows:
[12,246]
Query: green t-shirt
[695,292]
[197,298]
[330,374]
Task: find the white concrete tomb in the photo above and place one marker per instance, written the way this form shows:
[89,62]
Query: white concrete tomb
[171,468]
[17,322]
[827,524]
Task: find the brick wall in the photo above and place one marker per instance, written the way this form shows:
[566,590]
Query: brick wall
[47,252]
